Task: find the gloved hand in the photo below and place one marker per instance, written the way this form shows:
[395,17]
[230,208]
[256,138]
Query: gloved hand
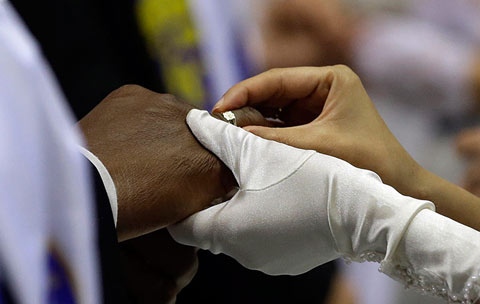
[295,209]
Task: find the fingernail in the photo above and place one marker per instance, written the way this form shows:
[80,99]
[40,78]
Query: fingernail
[218,105]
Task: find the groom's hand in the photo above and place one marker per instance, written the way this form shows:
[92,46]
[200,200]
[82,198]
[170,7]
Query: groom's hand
[156,267]
[161,173]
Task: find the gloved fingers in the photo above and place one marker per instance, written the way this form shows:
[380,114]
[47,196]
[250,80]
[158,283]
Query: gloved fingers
[255,162]
[197,229]
[221,138]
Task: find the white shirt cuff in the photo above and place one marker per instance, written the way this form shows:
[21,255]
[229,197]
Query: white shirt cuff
[106,179]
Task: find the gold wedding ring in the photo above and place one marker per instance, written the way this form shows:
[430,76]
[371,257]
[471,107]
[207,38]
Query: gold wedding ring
[229,116]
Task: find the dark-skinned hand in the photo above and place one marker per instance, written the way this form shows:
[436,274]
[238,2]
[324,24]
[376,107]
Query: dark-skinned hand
[160,171]
[156,267]
[162,175]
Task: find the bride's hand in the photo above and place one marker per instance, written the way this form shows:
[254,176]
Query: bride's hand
[295,209]
[327,109]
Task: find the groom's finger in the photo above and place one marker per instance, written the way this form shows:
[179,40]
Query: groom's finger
[247,116]
[197,229]
[278,88]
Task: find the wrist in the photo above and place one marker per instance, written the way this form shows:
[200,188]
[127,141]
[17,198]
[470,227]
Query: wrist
[383,218]
[410,179]
[450,200]
[421,183]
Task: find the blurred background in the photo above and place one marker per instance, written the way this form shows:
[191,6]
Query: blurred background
[418,59]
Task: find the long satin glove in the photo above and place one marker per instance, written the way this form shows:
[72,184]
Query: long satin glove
[298,209]
[295,209]
[438,256]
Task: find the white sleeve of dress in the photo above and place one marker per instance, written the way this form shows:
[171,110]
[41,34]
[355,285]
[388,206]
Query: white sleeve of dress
[438,256]
[106,179]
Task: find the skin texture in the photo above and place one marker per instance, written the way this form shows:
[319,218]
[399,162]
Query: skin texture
[327,109]
[161,173]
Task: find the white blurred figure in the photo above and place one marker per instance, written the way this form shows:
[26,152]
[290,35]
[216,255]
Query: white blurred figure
[47,238]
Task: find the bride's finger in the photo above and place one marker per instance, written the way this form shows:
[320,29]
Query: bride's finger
[278,88]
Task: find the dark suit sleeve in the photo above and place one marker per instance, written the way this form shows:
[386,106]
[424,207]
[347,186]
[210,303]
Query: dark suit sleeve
[111,274]
[5,294]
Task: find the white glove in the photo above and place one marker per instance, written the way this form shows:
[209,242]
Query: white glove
[438,256]
[298,209]
[295,209]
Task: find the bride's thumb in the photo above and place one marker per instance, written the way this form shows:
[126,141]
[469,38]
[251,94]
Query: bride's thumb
[302,137]
[282,135]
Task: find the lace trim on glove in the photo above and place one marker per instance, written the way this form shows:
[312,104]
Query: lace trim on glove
[423,281]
